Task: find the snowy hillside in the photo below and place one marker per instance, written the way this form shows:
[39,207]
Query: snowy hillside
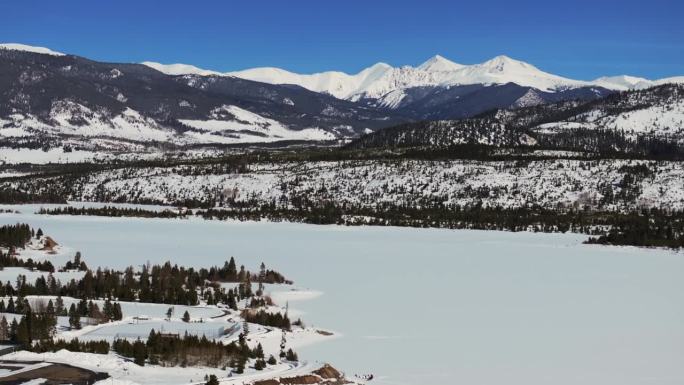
[509,184]
[656,112]
[225,125]
[28,48]
[231,124]
[630,122]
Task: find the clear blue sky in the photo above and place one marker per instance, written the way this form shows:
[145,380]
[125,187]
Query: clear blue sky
[575,38]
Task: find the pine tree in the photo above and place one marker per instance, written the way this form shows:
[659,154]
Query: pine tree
[50,308]
[291,355]
[4,329]
[13,330]
[139,352]
[74,317]
[186,316]
[240,365]
[59,307]
[212,380]
[24,332]
[232,303]
[118,314]
[283,343]
[231,270]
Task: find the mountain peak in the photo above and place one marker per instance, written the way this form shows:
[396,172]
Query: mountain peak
[379,66]
[502,63]
[439,63]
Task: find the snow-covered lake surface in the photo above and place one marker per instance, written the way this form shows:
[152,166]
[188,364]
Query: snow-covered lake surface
[421,306]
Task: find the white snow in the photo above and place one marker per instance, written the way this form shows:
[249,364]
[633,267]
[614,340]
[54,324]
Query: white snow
[28,48]
[232,124]
[179,69]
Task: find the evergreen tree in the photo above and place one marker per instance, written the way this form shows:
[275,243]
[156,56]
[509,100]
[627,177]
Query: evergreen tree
[291,355]
[212,380]
[14,326]
[59,306]
[186,316]
[24,332]
[74,317]
[139,352]
[10,306]
[4,329]
[231,270]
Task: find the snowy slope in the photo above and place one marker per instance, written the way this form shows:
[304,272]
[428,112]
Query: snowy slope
[28,48]
[179,69]
[623,82]
[652,112]
[231,124]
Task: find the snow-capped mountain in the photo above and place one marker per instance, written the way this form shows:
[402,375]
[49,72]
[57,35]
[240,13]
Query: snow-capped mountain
[387,86]
[338,84]
[439,63]
[435,72]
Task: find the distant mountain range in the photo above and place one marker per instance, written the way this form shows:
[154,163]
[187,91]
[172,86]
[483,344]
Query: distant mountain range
[388,86]
[52,99]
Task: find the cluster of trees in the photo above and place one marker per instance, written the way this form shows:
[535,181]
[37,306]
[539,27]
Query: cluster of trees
[653,227]
[9,259]
[14,236]
[174,350]
[12,196]
[647,228]
[229,273]
[111,211]
[265,318]
[32,326]
[39,322]
[169,284]
[17,236]
[74,345]
[76,264]
[111,311]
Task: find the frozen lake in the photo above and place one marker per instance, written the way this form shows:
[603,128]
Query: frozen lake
[420,306]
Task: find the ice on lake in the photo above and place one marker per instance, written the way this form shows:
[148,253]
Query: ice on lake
[421,306]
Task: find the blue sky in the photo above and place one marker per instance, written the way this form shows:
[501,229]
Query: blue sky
[579,39]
